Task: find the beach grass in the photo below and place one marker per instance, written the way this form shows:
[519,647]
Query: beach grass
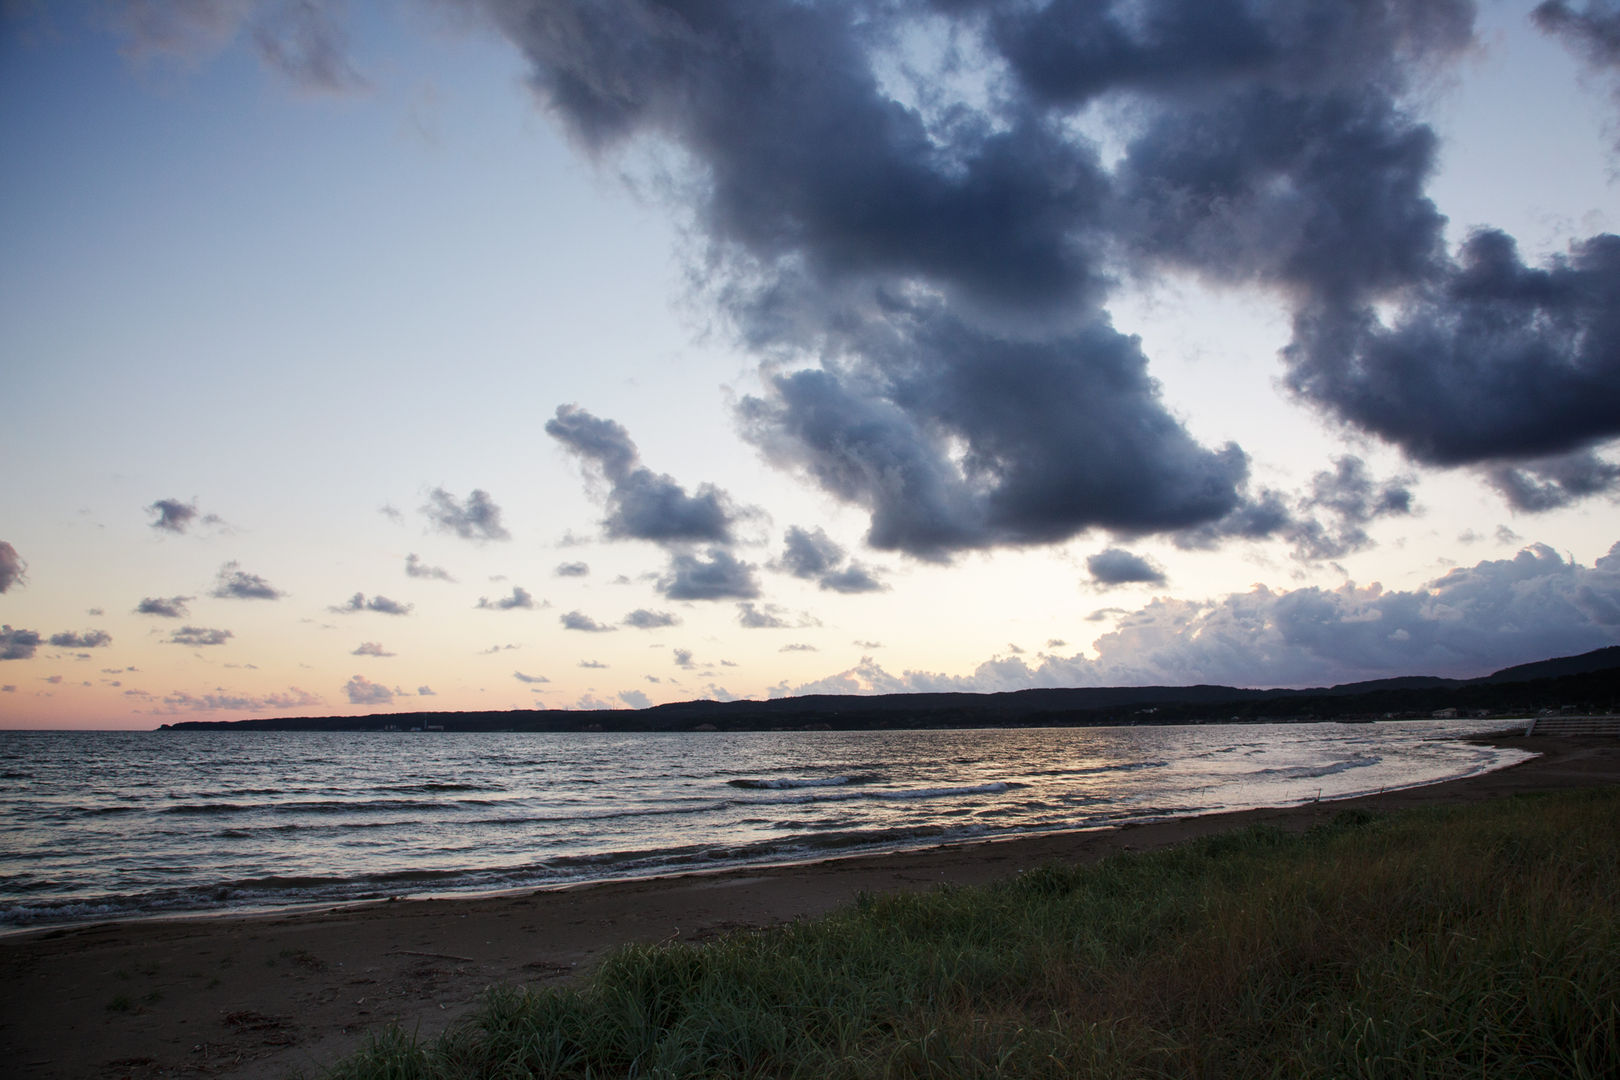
[1464,941]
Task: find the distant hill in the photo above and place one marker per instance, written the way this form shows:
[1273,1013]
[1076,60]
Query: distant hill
[1589,682]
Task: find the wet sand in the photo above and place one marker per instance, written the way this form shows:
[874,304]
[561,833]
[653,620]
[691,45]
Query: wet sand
[265,996]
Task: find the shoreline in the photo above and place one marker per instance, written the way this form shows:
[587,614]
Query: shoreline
[260,995]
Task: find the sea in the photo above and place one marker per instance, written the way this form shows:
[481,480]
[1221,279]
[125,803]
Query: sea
[116,825]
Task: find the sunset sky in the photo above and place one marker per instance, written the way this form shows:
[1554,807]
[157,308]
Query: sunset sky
[489,354]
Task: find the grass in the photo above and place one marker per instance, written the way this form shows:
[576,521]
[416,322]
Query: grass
[1477,941]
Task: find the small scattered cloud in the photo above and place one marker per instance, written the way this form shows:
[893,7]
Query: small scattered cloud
[595,664]
[867,644]
[578,620]
[477,519]
[641,504]
[522,678]
[1055,643]
[381,604]
[13,571]
[199,635]
[798,646]
[573,569]
[813,555]
[1116,566]
[751,616]
[717,576]
[17,644]
[643,619]
[392,513]
[172,515]
[90,639]
[168,607]
[370,648]
[362,691]
[683,658]
[234,583]
[493,649]
[11,688]
[416,568]
[425,691]
[520,599]
[635,699]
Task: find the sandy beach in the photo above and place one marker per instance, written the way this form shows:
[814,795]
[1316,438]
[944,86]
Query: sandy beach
[267,996]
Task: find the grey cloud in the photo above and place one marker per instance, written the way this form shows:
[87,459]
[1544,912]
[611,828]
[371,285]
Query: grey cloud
[812,554]
[532,679]
[1488,361]
[635,699]
[1116,566]
[425,691]
[592,664]
[572,569]
[17,644]
[642,505]
[925,275]
[683,658]
[168,607]
[293,698]
[520,598]
[199,635]
[90,639]
[12,567]
[1595,29]
[381,604]
[718,575]
[643,619]
[362,691]
[302,41]
[798,646]
[172,515]
[476,519]
[416,568]
[578,620]
[752,616]
[370,648]
[1552,483]
[235,583]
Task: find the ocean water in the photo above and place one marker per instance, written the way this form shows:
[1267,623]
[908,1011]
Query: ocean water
[99,825]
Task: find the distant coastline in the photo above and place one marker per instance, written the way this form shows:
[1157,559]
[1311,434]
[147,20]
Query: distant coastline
[1589,683]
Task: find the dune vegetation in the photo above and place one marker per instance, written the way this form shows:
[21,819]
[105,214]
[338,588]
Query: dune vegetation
[1464,941]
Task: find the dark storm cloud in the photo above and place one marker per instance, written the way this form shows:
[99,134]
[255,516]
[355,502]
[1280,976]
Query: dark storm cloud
[1556,482]
[578,620]
[520,599]
[641,504]
[90,639]
[813,555]
[17,644]
[925,271]
[12,567]
[718,575]
[416,568]
[359,602]
[643,619]
[1489,360]
[476,519]
[1116,566]
[168,607]
[572,569]
[199,635]
[233,583]
[1594,30]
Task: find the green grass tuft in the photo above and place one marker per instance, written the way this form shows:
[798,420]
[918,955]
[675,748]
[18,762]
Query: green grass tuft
[1449,942]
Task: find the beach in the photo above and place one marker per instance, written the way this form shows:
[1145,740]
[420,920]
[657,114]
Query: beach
[268,995]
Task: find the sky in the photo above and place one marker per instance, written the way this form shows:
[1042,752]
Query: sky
[496,354]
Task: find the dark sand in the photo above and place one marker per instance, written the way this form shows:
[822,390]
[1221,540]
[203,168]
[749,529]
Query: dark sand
[267,996]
